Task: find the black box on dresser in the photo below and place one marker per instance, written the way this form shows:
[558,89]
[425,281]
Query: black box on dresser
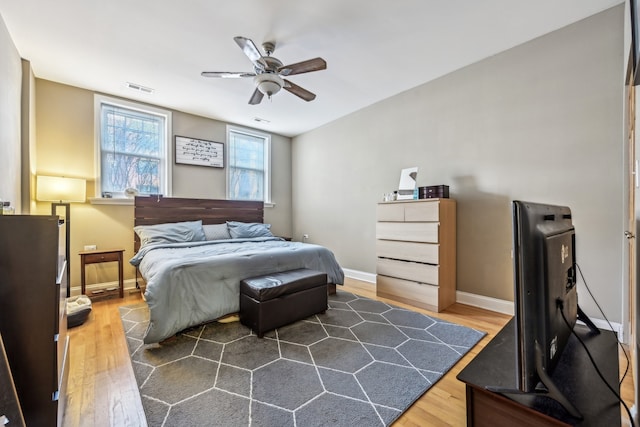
[433,192]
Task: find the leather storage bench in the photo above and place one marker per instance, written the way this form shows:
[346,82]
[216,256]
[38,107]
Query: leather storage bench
[274,300]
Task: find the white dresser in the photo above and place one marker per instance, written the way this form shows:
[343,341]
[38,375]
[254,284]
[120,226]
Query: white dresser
[416,250]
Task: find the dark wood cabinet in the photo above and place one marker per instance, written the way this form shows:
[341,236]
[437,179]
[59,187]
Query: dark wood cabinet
[33,319]
[575,377]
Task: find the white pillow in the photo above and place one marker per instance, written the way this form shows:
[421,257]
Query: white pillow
[216,231]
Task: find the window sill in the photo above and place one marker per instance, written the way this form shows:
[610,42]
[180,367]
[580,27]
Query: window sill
[113,201]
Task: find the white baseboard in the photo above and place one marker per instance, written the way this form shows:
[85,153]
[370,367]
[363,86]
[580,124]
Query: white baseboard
[129,284]
[359,275]
[487,303]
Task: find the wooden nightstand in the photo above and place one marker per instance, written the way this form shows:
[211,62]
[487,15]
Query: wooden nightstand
[99,256]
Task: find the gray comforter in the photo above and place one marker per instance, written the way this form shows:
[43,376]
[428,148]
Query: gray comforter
[197,282]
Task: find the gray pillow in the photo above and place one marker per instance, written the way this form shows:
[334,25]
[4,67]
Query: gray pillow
[173,232]
[248,230]
[216,231]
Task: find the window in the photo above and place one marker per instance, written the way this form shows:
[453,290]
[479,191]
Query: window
[248,170]
[132,148]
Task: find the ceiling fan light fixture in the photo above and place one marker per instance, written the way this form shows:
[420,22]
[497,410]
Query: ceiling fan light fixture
[269,73]
[268,83]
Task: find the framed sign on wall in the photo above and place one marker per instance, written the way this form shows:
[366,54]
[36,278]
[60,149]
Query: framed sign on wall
[191,151]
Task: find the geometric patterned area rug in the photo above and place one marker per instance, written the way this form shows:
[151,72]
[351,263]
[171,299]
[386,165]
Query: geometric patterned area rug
[361,363]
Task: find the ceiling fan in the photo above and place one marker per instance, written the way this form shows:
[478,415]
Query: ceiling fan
[269,73]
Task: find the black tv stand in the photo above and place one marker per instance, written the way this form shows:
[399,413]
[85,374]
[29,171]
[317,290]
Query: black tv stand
[491,379]
[547,387]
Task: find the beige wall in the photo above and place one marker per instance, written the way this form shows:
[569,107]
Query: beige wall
[210,183]
[540,122]
[28,138]
[10,88]
[65,146]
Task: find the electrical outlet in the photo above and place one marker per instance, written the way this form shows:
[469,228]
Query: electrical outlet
[305,236]
[90,247]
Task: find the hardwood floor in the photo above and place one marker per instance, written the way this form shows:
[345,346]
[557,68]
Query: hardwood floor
[102,390]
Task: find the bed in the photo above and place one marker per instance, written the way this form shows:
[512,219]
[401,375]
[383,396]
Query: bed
[193,253]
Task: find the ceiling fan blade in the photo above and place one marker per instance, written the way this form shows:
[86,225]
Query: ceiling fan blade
[226,74]
[249,48]
[298,91]
[256,98]
[315,64]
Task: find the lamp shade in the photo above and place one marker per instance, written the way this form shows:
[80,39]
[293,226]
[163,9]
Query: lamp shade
[268,83]
[60,189]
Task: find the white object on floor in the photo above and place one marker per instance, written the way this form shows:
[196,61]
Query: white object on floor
[77,303]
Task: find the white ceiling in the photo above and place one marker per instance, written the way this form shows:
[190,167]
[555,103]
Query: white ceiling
[374,48]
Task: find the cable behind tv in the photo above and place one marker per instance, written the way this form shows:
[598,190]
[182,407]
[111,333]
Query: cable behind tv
[617,395]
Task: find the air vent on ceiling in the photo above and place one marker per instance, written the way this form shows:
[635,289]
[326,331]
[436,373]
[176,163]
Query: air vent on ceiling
[139,88]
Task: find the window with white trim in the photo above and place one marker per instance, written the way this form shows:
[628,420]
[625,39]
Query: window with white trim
[248,165]
[133,152]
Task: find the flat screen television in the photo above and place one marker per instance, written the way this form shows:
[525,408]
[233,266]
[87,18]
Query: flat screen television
[545,295]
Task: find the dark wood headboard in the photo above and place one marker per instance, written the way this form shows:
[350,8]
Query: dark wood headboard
[159,210]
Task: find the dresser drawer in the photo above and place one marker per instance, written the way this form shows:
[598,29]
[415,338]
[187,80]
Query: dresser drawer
[421,295]
[414,271]
[390,212]
[106,257]
[422,211]
[410,251]
[408,231]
